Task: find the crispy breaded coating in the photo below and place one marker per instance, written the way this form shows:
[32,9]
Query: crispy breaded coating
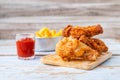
[79,44]
[77,32]
[93,30]
[66,31]
[94,43]
[72,49]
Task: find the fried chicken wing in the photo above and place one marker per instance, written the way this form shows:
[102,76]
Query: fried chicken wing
[72,49]
[94,43]
[77,32]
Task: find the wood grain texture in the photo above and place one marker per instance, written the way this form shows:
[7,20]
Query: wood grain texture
[21,16]
[8,8]
[10,26]
[60,1]
[30,15]
[56,60]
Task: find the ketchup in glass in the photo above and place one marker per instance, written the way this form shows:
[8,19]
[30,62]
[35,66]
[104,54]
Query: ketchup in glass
[25,47]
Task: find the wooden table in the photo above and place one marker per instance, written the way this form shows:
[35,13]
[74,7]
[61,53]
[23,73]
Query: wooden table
[28,16]
[11,68]
[14,69]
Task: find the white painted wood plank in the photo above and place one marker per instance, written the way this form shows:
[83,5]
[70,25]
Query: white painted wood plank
[11,26]
[12,68]
[7,47]
[57,1]
[31,24]
[44,8]
[8,31]
[61,19]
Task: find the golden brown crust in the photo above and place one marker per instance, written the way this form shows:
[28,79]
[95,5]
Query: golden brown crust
[90,49]
[94,43]
[84,35]
[78,49]
[71,49]
[93,30]
[78,31]
[66,31]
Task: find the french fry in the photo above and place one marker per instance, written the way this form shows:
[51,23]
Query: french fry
[46,33]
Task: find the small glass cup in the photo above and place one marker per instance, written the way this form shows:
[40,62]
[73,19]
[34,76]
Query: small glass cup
[25,44]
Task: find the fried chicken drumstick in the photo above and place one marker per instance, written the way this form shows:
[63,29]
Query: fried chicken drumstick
[77,32]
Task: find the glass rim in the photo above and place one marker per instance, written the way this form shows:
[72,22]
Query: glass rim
[25,34]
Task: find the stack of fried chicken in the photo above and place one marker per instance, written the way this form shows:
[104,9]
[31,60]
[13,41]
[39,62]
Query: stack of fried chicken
[78,43]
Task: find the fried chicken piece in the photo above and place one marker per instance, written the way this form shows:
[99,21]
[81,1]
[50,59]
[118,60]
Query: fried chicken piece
[94,43]
[77,32]
[78,44]
[72,49]
[66,31]
[93,30]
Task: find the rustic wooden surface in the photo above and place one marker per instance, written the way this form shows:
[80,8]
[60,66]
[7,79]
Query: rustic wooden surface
[10,26]
[21,16]
[9,8]
[12,68]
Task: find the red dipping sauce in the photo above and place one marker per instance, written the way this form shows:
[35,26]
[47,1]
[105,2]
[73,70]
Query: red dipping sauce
[25,47]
